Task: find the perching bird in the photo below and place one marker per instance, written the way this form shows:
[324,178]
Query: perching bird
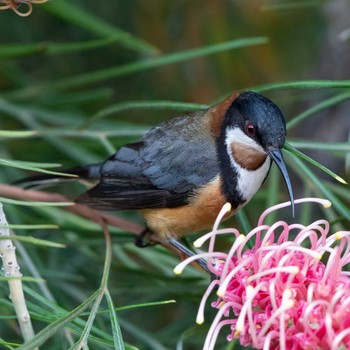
[181,172]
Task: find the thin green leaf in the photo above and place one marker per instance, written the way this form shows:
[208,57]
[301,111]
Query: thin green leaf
[145,64]
[231,345]
[162,105]
[117,334]
[12,134]
[2,317]
[136,306]
[35,204]
[343,147]
[42,313]
[8,51]
[306,213]
[299,5]
[9,345]
[93,134]
[30,227]
[41,337]
[243,221]
[154,303]
[319,107]
[21,50]
[24,165]
[32,240]
[107,145]
[273,193]
[85,333]
[314,182]
[36,164]
[62,48]
[342,192]
[296,152]
[78,15]
[84,336]
[305,84]
[73,150]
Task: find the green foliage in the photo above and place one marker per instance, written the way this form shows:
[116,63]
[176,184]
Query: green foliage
[75,86]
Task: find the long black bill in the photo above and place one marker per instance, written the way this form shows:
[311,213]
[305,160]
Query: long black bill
[276,155]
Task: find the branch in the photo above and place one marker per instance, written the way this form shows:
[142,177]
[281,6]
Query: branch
[99,217]
[11,270]
[15,192]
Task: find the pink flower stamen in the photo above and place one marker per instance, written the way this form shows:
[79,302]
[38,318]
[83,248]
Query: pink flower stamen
[209,344]
[201,240]
[339,339]
[280,294]
[200,313]
[180,267]
[239,240]
[217,331]
[224,284]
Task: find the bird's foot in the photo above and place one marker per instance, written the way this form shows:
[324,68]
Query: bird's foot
[142,239]
[183,249]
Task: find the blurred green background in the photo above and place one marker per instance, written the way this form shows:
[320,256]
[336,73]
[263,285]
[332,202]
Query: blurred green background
[89,76]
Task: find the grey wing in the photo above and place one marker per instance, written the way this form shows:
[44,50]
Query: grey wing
[160,171]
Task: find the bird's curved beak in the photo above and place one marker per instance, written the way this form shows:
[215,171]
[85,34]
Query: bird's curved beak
[276,156]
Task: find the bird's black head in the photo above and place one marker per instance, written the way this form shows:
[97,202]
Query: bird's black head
[253,128]
[259,119]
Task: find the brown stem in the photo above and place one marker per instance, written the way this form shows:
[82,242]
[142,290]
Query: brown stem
[19,193]
[15,192]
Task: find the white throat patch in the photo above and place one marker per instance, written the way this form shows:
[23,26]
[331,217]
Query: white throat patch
[248,181]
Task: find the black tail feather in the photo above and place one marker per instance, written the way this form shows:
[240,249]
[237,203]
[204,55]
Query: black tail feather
[87,172]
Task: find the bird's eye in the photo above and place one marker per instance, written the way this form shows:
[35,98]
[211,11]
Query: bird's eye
[250,129]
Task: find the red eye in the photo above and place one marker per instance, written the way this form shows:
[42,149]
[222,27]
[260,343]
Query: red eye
[250,129]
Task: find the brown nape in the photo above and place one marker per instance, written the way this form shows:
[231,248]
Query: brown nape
[247,157]
[217,113]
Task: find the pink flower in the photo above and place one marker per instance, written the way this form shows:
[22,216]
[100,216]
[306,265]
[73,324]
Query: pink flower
[288,292]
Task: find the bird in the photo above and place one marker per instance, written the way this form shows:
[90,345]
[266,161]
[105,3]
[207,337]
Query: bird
[180,173]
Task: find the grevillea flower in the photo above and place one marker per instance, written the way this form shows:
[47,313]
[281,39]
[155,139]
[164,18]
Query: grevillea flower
[290,291]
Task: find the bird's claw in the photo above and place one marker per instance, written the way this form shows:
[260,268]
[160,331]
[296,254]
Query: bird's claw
[142,239]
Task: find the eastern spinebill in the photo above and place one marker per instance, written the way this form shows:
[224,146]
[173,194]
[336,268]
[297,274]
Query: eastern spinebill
[181,172]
